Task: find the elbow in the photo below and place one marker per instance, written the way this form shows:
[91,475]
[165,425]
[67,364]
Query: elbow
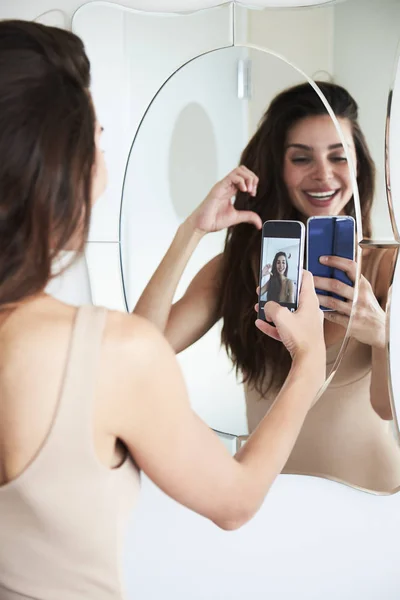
[236,519]
[231,525]
[384,411]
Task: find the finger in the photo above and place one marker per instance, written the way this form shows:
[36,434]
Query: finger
[248,216]
[276,313]
[307,291]
[256,307]
[343,308]
[245,175]
[258,290]
[250,178]
[341,320]
[268,329]
[344,264]
[238,181]
[335,286]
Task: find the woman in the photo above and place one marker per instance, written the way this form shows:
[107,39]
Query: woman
[297,169]
[277,287]
[81,411]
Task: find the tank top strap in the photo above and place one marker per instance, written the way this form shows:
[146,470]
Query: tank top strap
[72,431]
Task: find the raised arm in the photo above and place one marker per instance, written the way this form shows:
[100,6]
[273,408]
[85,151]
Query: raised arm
[192,316]
[151,414]
[196,312]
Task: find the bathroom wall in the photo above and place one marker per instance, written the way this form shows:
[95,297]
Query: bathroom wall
[372,29]
[284,32]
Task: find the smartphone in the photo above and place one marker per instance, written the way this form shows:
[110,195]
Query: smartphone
[281,264]
[330,236]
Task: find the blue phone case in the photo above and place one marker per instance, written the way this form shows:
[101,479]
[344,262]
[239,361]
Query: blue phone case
[343,245]
[330,236]
[320,236]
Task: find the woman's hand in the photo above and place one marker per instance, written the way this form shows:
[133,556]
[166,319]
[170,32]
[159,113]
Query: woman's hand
[217,212]
[266,270]
[369,322]
[301,332]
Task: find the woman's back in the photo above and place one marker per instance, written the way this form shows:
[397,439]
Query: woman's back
[62,506]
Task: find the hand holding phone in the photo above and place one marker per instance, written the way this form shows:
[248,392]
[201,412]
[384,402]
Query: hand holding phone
[281,264]
[302,333]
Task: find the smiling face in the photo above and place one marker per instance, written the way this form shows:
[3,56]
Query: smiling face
[315,168]
[281,265]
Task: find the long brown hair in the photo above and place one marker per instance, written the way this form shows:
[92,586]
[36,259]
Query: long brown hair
[275,282]
[262,361]
[47,152]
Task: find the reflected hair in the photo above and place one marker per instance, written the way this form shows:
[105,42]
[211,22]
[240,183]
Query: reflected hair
[47,153]
[263,362]
[275,282]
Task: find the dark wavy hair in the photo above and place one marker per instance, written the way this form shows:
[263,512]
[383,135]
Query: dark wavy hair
[275,282]
[262,361]
[47,152]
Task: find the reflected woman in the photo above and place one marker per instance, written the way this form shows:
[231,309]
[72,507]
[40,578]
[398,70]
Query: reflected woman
[277,287]
[294,167]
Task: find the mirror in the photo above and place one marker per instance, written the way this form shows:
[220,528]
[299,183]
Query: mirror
[333,39]
[164,164]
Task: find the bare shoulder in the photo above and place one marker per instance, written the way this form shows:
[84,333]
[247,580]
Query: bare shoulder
[135,355]
[129,337]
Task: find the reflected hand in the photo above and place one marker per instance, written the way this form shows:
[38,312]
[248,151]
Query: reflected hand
[217,212]
[301,332]
[368,324]
[266,270]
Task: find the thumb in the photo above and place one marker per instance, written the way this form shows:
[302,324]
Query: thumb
[307,290]
[248,216]
[274,312]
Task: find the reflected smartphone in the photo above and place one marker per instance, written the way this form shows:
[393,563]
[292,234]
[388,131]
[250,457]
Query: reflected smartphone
[281,264]
[330,236]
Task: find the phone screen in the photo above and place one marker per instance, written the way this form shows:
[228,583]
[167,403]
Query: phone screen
[281,264]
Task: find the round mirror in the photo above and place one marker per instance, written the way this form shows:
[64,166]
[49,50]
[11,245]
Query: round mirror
[193,134]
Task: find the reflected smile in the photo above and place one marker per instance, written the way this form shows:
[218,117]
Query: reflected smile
[321,197]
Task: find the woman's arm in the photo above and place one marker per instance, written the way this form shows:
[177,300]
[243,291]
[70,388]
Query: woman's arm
[192,316]
[368,323]
[150,412]
[380,394]
[197,311]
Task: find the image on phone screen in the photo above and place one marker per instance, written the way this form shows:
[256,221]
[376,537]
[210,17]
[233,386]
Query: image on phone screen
[280,271]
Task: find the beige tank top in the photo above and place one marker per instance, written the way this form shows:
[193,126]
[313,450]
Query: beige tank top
[62,519]
[342,437]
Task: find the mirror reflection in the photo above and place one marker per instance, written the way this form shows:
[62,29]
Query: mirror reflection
[266,118]
[353,43]
[297,161]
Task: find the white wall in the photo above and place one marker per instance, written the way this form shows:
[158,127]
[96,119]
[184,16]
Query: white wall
[191,137]
[366,36]
[304,37]
[129,64]
[71,286]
